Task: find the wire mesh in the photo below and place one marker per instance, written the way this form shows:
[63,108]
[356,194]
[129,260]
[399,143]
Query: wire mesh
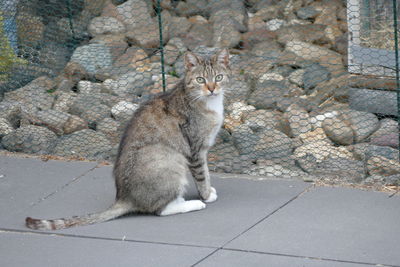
[313,90]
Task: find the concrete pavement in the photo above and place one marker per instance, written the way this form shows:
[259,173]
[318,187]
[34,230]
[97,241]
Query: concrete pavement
[254,223]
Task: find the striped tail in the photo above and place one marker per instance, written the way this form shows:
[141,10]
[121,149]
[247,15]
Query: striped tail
[116,210]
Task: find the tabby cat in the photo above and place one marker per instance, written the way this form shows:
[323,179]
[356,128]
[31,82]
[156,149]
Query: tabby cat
[166,136]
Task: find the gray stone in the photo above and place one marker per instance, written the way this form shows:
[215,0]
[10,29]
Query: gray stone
[387,134]
[93,57]
[374,101]
[53,119]
[110,128]
[315,74]
[10,110]
[64,100]
[87,87]
[273,144]
[245,140]
[362,123]
[178,26]
[379,165]
[30,139]
[339,130]
[74,123]
[224,30]
[261,119]
[308,12]
[297,77]
[238,91]
[306,33]
[91,108]
[133,82]
[299,120]
[366,150]
[315,53]
[105,25]
[123,110]
[33,95]
[267,94]
[94,114]
[5,127]
[346,170]
[277,168]
[85,143]
[199,35]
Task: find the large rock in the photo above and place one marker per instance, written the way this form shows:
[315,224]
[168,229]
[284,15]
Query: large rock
[267,144]
[110,128]
[261,119]
[123,110]
[299,120]
[74,124]
[346,170]
[10,110]
[116,43]
[131,83]
[312,153]
[363,124]
[105,25]
[34,95]
[93,57]
[339,130]
[315,53]
[365,151]
[30,139]
[315,74]
[53,119]
[141,28]
[305,33]
[224,30]
[382,166]
[267,94]
[387,134]
[85,143]
[5,127]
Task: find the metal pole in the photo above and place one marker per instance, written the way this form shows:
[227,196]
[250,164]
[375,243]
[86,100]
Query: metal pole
[396,50]
[161,43]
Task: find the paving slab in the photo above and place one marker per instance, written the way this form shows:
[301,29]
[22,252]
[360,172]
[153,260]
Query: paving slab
[241,204]
[27,249]
[239,258]
[25,181]
[331,223]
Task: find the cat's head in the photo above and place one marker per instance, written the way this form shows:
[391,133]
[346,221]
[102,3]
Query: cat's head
[207,77]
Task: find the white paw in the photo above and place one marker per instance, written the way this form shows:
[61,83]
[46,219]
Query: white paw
[213,196]
[196,205]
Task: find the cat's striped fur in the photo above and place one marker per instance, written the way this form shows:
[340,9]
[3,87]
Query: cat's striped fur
[166,136]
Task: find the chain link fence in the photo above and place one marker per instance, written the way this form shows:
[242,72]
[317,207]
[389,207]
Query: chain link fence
[314,93]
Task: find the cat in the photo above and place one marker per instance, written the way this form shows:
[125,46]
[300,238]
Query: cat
[167,136]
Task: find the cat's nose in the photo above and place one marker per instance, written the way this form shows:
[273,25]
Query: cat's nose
[211,87]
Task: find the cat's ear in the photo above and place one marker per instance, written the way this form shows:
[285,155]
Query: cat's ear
[191,60]
[222,57]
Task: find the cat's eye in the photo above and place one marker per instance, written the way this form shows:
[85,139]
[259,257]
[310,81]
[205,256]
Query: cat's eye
[219,77]
[200,80]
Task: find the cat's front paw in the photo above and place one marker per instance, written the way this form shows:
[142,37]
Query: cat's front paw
[213,196]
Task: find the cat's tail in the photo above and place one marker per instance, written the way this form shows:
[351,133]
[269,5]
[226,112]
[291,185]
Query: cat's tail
[116,210]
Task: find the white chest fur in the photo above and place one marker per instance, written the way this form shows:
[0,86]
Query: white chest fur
[216,104]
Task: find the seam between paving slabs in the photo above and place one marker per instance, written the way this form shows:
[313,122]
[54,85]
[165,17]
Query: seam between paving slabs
[310,257]
[52,234]
[307,189]
[64,186]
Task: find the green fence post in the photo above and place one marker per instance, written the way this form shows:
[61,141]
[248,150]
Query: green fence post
[396,49]
[161,43]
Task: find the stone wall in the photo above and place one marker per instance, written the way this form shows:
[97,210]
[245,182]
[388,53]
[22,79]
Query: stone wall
[286,114]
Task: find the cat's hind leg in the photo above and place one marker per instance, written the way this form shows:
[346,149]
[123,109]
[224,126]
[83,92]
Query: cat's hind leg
[180,205]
